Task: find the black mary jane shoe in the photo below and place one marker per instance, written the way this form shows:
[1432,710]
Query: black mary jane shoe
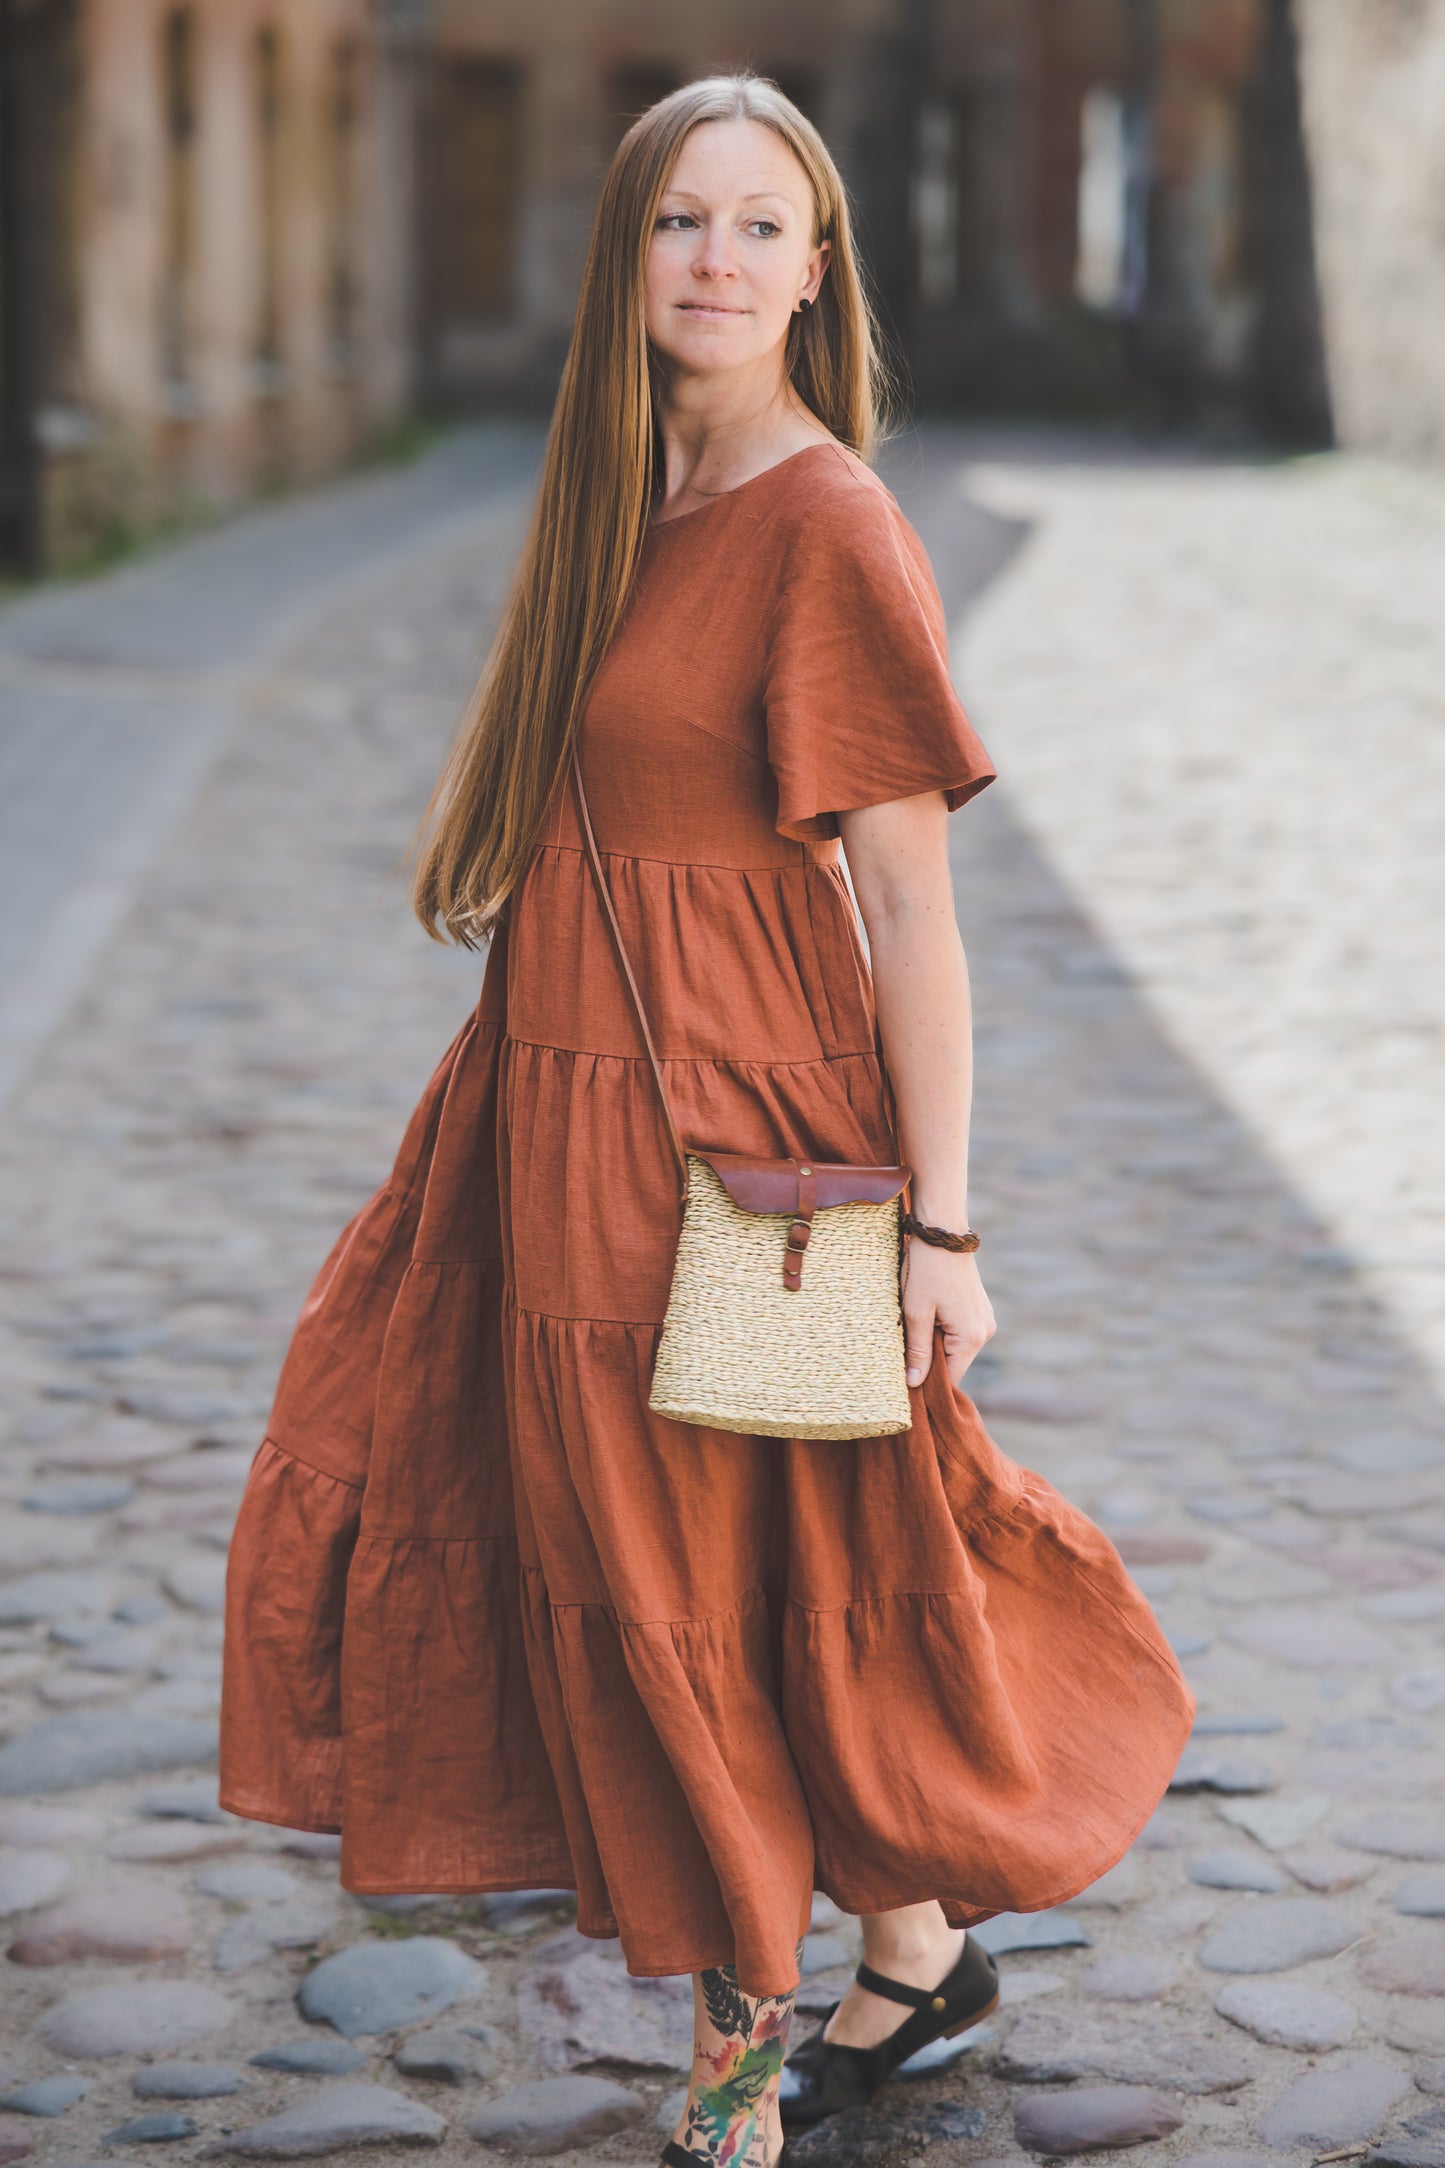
[822,2077]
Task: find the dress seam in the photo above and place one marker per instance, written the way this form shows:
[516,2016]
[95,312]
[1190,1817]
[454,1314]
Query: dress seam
[820,973]
[289,1452]
[712,1061]
[708,1618]
[757,1593]
[704,865]
[858,1603]
[419,1535]
[568,1317]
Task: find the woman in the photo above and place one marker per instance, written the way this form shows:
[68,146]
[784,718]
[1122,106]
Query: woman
[490,1616]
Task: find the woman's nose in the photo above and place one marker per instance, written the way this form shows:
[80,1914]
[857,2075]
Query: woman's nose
[715,256]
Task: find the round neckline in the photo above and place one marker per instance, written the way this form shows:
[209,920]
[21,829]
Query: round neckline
[725,496]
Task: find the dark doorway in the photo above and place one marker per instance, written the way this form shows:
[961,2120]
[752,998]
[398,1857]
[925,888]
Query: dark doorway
[177,298]
[469,203]
[39,173]
[270,136]
[631,89]
[798,85]
[1290,376]
[343,200]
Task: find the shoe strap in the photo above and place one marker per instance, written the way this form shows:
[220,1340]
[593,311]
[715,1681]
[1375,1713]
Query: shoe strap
[676,2156]
[917,1998]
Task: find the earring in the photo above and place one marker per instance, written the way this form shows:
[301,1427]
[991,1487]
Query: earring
[805,303]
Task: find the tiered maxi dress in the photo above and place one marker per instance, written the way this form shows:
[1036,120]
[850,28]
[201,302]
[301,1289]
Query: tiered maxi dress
[491,1618]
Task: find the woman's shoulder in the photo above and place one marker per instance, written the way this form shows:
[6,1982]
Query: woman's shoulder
[835,504]
[839,541]
[831,481]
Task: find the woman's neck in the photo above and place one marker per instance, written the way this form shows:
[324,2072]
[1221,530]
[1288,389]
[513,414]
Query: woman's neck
[713,441]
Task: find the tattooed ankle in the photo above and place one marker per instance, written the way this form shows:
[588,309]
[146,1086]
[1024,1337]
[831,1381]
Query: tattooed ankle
[736,2072]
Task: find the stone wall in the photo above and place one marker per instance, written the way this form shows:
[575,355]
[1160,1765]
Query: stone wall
[237,312]
[1374,97]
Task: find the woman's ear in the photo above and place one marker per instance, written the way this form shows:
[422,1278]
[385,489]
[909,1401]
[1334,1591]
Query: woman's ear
[817,267]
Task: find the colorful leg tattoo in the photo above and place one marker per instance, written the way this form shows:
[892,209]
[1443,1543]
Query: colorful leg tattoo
[735,2073]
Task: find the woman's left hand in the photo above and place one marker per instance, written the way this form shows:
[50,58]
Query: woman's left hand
[942,1292]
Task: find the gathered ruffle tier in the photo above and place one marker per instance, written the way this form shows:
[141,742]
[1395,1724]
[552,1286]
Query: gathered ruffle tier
[502,1626]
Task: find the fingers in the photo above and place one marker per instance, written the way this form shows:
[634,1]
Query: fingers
[933,1305]
[962,1344]
[918,1343]
[958,1353]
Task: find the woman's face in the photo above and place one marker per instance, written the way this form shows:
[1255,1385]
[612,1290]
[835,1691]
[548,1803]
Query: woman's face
[732,251]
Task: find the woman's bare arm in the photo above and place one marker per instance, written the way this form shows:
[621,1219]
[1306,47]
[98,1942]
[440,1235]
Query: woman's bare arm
[898,860]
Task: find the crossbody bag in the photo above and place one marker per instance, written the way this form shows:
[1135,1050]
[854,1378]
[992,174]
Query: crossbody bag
[783,1317]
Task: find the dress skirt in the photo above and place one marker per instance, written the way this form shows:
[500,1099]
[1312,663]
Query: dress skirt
[490,1617]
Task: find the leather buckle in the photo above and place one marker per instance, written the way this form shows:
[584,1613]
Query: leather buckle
[798,1235]
[801,1227]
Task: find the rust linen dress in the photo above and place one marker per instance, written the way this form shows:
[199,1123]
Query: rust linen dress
[490,1617]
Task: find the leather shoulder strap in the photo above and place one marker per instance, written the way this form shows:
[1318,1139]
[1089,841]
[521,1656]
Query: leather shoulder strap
[604,897]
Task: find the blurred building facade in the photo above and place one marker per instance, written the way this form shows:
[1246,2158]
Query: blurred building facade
[238,239]
[204,256]
[1055,196]
[520,111]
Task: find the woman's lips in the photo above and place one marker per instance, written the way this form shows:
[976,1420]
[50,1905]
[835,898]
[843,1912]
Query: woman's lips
[708,308]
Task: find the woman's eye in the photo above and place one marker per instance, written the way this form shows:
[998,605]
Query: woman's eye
[766,229]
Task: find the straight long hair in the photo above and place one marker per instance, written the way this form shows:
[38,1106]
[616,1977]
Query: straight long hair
[600,475]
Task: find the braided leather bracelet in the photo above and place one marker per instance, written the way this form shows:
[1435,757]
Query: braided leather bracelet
[939,1236]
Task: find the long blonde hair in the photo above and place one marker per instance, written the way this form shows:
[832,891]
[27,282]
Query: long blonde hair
[599,476]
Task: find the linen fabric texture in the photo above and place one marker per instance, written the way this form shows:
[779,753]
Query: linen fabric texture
[487,1614]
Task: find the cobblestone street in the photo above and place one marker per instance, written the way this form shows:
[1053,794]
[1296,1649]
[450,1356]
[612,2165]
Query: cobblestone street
[1201,909]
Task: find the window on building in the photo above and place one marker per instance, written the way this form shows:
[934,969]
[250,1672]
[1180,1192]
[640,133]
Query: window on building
[178,99]
[1113,201]
[269,300]
[800,87]
[343,202]
[936,205]
[631,89]
[965,141]
[476,193]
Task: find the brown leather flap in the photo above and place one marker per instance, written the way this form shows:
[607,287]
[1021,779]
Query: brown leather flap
[771,1185]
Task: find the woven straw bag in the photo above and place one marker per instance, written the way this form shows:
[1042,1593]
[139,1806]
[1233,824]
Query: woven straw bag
[752,1341]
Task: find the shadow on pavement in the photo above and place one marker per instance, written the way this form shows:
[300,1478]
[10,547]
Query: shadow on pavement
[1165,1296]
